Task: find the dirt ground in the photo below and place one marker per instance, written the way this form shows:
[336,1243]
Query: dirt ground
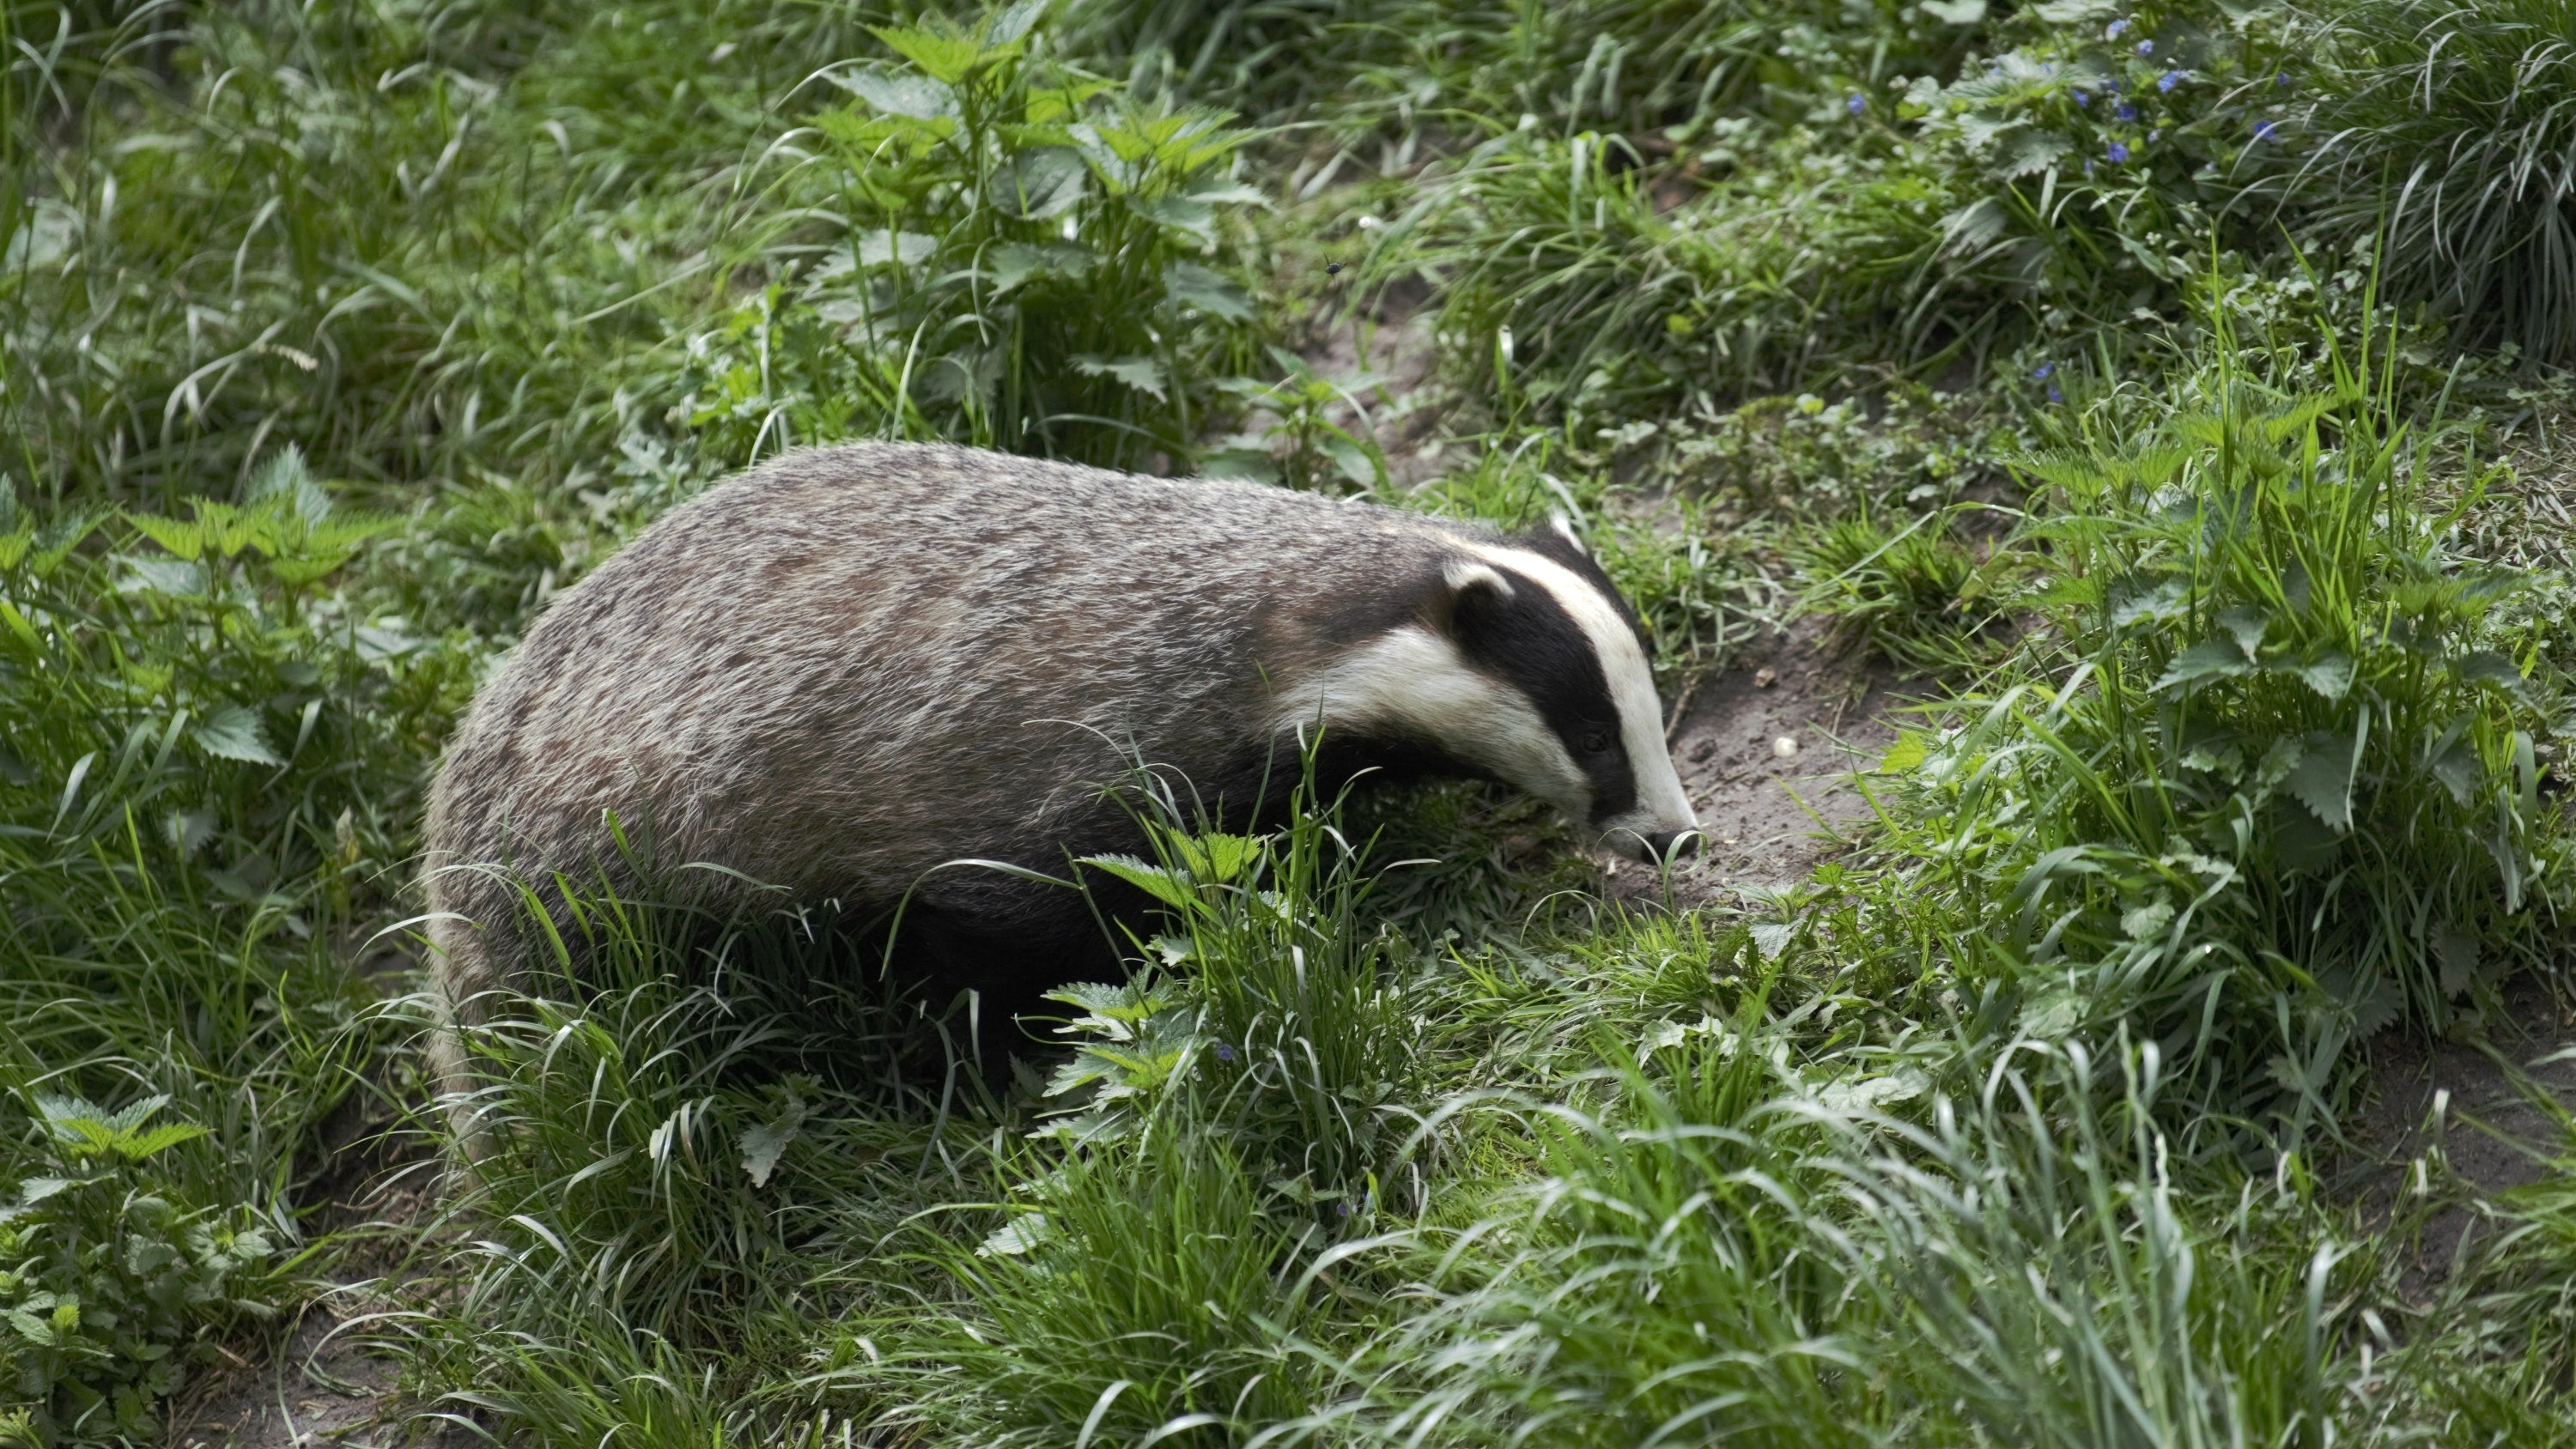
[1767,748]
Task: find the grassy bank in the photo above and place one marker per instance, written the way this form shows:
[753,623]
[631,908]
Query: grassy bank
[2163,396]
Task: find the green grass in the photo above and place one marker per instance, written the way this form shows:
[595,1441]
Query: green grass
[333,341]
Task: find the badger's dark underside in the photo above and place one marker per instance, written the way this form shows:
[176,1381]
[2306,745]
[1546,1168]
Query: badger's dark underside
[978,943]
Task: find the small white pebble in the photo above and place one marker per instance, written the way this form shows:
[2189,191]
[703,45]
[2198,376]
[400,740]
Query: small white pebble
[1765,677]
[1784,747]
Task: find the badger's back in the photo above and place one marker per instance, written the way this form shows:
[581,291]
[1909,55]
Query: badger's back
[848,666]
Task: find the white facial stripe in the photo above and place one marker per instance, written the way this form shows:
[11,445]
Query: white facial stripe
[1413,681]
[1662,804]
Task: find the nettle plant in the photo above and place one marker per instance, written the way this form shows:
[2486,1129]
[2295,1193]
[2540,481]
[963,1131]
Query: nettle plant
[1023,264]
[197,683]
[2284,790]
[2108,149]
[107,1283]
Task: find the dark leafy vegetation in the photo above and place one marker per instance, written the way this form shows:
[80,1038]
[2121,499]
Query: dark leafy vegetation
[2158,393]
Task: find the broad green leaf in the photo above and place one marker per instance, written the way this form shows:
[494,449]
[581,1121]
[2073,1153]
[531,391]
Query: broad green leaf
[2322,780]
[2206,660]
[1183,214]
[2455,763]
[2030,152]
[1016,1236]
[1215,857]
[1145,374]
[232,732]
[137,1146]
[181,540]
[899,93]
[2329,674]
[1211,292]
[944,58]
[1153,880]
[910,248]
[1041,182]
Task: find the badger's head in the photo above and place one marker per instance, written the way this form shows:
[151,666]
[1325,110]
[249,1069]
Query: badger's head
[1522,661]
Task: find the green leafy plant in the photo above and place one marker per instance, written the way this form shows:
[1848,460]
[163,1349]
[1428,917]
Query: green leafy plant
[2281,790]
[1022,263]
[108,1283]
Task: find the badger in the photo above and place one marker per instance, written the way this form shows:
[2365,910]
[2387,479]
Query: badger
[849,668]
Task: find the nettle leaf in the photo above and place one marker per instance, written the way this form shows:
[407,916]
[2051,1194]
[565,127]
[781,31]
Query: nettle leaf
[2329,674]
[2454,761]
[1041,182]
[2488,667]
[910,248]
[944,58]
[2204,661]
[2031,152]
[2247,626]
[1181,213]
[1208,290]
[2322,780]
[1013,263]
[1216,857]
[1145,374]
[2166,601]
[1016,1236]
[899,93]
[182,540]
[1163,885]
[232,732]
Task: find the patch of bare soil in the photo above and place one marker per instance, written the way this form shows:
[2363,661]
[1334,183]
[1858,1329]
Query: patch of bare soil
[2455,1123]
[1767,747]
[326,1384]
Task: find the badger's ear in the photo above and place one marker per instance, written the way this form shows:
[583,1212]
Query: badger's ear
[1467,589]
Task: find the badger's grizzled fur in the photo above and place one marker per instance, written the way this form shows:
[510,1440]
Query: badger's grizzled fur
[848,666]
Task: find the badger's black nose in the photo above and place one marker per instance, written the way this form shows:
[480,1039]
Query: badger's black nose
[1674,844]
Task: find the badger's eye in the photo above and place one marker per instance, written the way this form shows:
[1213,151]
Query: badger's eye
[1595,743]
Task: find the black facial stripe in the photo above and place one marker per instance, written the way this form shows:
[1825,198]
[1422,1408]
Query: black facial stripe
[1549,544]
[1530,642]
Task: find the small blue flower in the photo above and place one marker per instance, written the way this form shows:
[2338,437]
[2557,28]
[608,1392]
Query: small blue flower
[2118,28]
[2040,374]
[2157,134]
[2263,132]
[2082,99]
[2054,395]
[2112,85]
[1224,1053]
[1856,105]
[1341,1209]
[2128,113]
[2146,47]
[2117,152]
[2281,78]
[2170,79]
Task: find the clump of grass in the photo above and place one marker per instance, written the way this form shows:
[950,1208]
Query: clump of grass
[2444,137]
[1915,595]
[1139,1292]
